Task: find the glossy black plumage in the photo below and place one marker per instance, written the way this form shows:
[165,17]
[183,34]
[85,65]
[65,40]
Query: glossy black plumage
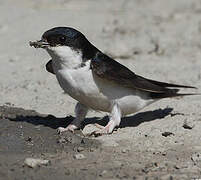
[109,69]
[67,36]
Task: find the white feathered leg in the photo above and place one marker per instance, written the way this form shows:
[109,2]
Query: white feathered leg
[114,121]
[80,113]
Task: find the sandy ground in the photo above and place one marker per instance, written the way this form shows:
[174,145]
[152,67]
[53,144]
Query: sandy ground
[157,39]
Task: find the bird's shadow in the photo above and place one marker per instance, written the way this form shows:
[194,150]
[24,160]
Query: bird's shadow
[55,122]
[134,120]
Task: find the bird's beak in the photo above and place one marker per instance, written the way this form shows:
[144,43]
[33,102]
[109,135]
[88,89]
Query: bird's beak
[39,44]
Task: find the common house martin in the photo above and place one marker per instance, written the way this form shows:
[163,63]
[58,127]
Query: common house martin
[97,81]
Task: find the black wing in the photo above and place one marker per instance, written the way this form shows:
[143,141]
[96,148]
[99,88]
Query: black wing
[49,67]
[109,69]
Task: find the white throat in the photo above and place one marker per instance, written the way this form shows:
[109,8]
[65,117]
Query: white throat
[65,57]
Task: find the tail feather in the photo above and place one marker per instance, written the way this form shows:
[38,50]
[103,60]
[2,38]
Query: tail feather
[171,93]
[163,84]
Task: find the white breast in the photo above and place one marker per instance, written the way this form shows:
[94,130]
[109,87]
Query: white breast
[79,84]
[65,57]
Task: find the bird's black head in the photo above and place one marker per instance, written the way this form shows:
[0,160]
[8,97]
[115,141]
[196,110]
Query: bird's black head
[63,36]
[66,36]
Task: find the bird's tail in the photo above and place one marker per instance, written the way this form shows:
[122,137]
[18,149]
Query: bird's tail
[165,85]
[171,93]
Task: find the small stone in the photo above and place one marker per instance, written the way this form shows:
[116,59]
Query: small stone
[79,156]
[151,167]
[166,134]
[183,165]
[196,157]
[164,153]
[32,163]
[80,149]
[124,150]
[104,172]
[92,149]
[177,166]
[188,124]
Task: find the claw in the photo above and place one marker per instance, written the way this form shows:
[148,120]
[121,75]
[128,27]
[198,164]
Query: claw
[70,127]
[99,126]
[99,133]
[103,130]
[96,133]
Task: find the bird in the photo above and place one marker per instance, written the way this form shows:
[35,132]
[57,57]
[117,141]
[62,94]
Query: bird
[97,81]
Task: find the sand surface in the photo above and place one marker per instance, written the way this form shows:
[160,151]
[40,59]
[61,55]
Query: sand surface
[157,39]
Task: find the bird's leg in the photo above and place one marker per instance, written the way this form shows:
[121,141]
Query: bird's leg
[80,113]
[114,121]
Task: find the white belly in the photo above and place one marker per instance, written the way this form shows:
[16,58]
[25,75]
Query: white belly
[99,94]
[79,85]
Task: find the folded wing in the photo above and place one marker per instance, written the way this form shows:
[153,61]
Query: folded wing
[109,69]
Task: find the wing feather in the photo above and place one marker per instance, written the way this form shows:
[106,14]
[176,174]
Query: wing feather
[109,69]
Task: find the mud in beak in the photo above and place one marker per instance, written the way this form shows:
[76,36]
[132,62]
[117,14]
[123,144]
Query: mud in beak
[39,44]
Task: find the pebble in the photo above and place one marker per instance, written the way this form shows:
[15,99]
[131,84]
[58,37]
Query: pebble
[124,150]
[183,165]
[104,172]
[80,149]
[188,124]
[79,156]
[164,153]
[196,157]
[92,149]
[32,162]
[166,134]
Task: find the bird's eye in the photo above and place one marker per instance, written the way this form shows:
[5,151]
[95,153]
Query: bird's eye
[62,39]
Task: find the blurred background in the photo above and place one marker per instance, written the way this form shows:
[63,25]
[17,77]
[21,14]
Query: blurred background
[155,38]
